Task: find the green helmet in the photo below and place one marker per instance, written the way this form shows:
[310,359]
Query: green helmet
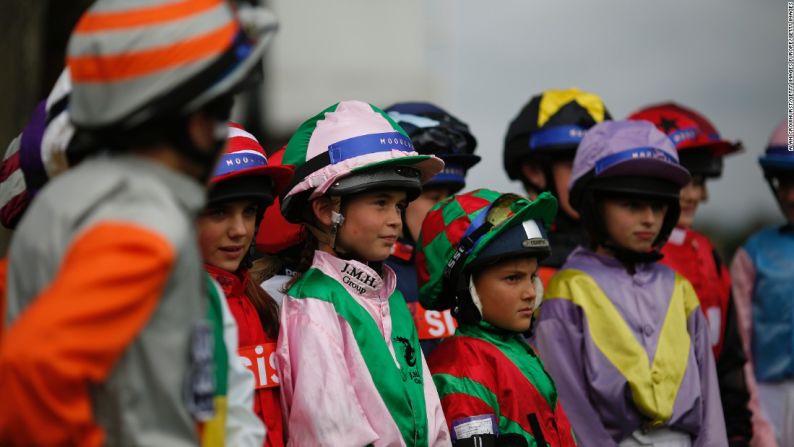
[476,229]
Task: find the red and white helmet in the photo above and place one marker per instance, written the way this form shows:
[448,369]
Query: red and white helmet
[243,170]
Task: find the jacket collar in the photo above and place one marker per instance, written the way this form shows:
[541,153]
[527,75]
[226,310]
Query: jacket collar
[358,278]
[233,284]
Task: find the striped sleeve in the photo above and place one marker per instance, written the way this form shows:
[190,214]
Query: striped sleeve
[3,293]
[72,334]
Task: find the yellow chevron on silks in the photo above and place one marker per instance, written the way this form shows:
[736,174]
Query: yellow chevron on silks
[553,100]
[653,387]
[214,430]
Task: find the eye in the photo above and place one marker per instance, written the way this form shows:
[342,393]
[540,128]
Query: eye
[402,205]
[250,211]
[659,207]
[512,278]
[215,213]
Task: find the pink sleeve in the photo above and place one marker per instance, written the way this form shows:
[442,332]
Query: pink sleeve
[320,405]
[743,278]
[437,431]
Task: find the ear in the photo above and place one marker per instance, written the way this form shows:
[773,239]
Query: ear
[322,208]
[534,174]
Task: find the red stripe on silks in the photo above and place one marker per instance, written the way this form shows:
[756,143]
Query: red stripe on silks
[8,166]
[511,406]
[11,212]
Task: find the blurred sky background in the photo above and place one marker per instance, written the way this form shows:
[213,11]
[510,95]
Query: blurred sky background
[482,61]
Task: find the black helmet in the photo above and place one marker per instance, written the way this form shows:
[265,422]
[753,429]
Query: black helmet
[435,132]
[551,124]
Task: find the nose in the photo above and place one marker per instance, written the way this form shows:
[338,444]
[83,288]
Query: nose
[237,226]
[395,218]
[648,215]
[529,291]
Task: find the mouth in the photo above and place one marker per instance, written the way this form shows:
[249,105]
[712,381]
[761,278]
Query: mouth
[389,239]
[644,235]
[232,251]
[525,312]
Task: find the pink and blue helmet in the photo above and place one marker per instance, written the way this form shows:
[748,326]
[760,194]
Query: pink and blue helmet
[777,158]
[348,148]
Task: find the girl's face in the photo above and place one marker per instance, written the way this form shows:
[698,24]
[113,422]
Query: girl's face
[633,223]
[226,231]
[373,221]
[691,196]
[507,293]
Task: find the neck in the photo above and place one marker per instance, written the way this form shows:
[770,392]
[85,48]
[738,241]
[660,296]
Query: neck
[605,251]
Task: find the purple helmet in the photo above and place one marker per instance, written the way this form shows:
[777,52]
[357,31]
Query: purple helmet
[631,158]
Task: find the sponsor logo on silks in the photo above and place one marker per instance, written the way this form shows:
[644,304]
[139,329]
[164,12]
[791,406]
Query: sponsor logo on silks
[409,355]
[260,359]
[432,324]
[408,351]
[200,384]
[358,279]
[483,424]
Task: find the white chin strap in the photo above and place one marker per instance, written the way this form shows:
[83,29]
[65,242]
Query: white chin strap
[538,292]
[475,297]
[337,219]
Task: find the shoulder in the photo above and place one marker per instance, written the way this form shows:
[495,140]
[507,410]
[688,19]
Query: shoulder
[106,191]
[458,354]
[569,284]
[313,283]
[761,238]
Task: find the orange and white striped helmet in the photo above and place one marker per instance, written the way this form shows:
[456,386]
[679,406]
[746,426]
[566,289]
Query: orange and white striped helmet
[134,60]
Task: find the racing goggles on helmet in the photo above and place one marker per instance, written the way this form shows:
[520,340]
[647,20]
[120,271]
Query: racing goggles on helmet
[498,214]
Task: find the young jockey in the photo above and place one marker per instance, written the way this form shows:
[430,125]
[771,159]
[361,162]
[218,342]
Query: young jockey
[478,254]
[762,285]
[690,253]
[621,334]
[120,225]
[435,132]
[352,371]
